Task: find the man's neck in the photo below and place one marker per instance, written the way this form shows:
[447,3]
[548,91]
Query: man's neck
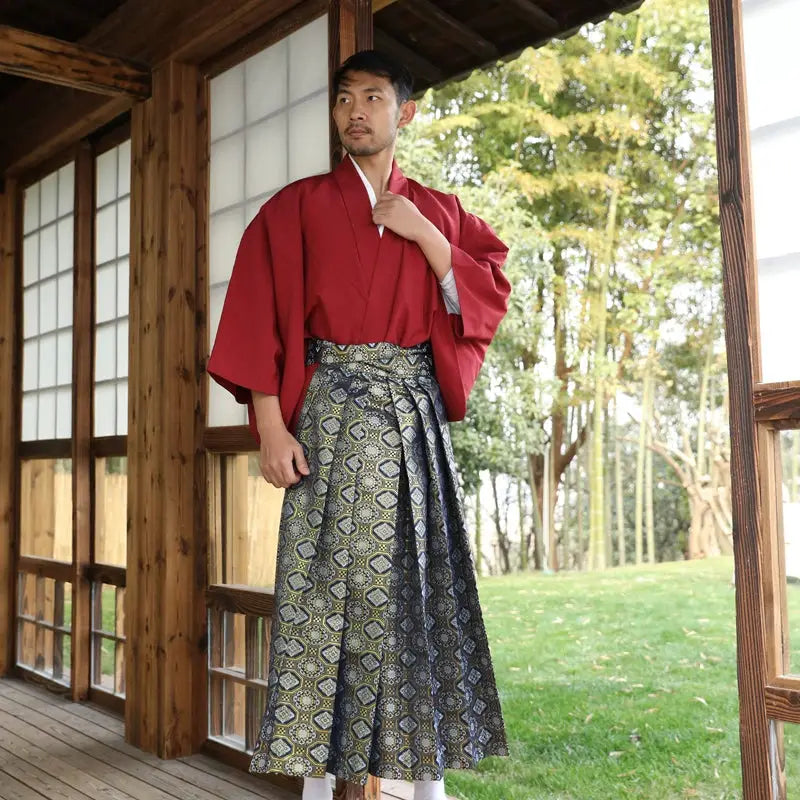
[377,168]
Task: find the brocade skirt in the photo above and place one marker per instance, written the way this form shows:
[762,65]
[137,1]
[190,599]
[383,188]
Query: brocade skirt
[379,661]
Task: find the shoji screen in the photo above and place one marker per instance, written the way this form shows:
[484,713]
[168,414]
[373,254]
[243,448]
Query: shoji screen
[47,293]
[112,248]
[269,126]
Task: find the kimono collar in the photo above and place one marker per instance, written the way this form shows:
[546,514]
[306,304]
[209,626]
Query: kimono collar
[350,182]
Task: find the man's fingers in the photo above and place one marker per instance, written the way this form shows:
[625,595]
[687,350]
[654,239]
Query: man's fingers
[300,459]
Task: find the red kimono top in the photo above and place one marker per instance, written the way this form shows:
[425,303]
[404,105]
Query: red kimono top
[311,263]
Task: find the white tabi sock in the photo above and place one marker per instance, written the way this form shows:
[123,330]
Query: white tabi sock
[429,790]
[317,788]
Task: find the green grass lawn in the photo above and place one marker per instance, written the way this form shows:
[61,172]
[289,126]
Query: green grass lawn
[615,684]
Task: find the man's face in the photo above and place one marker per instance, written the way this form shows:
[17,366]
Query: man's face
[367,115]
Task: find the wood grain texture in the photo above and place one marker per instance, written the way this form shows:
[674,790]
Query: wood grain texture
[739,288]
[778,402]
[9,390]
[43,58]
[82,393]
[165,578]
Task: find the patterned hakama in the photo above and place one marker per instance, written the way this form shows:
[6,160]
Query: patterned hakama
[379,660]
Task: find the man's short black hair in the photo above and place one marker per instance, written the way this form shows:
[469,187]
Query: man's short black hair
[377,63]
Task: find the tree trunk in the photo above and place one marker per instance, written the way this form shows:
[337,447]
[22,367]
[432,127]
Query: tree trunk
[648,497]
[621,557]
[536,492]
[478,529]
[502,540]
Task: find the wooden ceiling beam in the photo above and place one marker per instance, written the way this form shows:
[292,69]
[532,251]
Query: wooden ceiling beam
[453,28]
[418,64]
[534,14]
[42,58]
[379,5]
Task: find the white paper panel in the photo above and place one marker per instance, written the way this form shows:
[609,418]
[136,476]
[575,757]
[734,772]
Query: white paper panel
[266,156]
[106,235]
[30,259]
[105,410]
[46,428]
[122,349]
[49,199]
[227,102]
[776,176]
[124,166]
[47,306]
[106,167]
[30,312]
[64,413]
[66,189]
[30,365]
[105,353]
[252,208]
[309,135]
[266,85]
[222,408]
[122,408]
[308,59]
[778,290]
[65,299]
[224,233]
[47,361]
[66,254]
[123,227]
[31,209]
[48,252]
[30,403]
[772,60]
[227,172]
[64,350]
[123,287]
[106,293]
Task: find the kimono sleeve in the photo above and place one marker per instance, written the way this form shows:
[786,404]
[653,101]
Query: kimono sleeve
[248,353]
[483,291]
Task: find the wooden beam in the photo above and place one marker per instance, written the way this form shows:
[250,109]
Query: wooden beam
[453,28]
[45,120]
[739,283]
[82,392]
[9,431]
[43,58]
[166,573]
[379,5]
[544,23]
[418,64]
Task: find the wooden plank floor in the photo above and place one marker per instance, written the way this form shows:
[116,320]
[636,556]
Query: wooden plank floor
[53,748]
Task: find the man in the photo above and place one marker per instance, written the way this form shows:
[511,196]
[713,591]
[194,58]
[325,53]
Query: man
[337,332]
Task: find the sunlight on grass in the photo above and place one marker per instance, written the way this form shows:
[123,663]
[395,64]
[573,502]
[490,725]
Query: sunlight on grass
[613,684]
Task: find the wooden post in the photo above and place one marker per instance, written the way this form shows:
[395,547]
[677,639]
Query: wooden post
[166,577]
[9,430]
[741,329]
[349,30]
[82,391]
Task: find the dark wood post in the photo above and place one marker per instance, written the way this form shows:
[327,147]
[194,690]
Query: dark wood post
[9,430]
[166,576]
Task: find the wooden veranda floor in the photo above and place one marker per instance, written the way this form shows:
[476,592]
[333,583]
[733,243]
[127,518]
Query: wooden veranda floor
[59,750]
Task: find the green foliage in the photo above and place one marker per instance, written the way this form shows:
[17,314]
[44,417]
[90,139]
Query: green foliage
[531,146]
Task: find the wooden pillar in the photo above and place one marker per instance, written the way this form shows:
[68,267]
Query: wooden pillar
[82,390]
[741,336]
[349,30]
[9,431]
[166,577]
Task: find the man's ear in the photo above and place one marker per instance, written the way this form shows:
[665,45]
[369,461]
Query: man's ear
[407,112]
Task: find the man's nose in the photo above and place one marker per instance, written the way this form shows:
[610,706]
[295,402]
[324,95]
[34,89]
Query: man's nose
[356,111]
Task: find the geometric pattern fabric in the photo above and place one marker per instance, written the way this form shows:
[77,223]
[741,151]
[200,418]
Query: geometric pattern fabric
[379,661]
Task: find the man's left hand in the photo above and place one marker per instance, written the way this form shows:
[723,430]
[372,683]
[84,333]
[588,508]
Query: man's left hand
[400,215]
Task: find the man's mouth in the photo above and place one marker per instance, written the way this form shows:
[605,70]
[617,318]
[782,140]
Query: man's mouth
[356,131]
